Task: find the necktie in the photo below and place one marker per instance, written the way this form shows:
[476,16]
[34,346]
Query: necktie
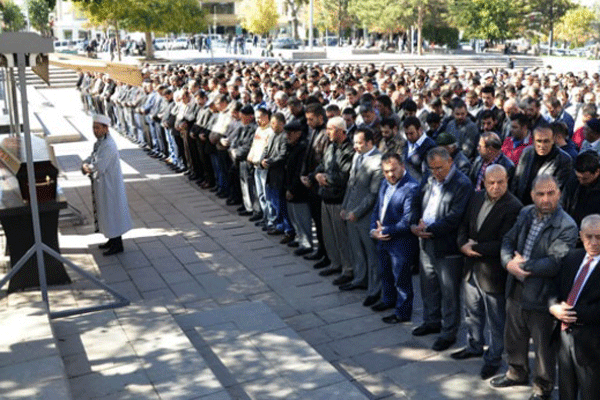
[577,287]
[358,163]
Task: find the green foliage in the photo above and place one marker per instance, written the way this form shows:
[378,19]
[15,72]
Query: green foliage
[38,15]
[161,16]
[332,15]
[12,17]
[383,16]
[259,16]
[485,19]
[441,35]
[576,26]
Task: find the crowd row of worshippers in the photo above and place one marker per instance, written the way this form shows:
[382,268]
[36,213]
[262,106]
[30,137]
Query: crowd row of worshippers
[384,162]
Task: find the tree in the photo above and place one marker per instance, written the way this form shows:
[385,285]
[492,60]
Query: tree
[160,16]
[39,12]
[485,19]
[12,17]
[293,8]
[576,26]
[382,16]
[332,15]
[259,16]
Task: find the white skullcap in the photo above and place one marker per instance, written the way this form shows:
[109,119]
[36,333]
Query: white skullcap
[101,119]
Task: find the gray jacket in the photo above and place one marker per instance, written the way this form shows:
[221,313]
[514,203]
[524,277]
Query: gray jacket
[554,241]
[363,186]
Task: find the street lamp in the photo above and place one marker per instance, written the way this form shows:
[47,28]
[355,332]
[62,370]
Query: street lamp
[215,19]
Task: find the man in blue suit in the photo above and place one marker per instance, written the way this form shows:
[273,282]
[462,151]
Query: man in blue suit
[390,226]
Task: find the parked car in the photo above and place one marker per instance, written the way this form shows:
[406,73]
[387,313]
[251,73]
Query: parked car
[284,43]
[178,44]
[65,46]
[160,43]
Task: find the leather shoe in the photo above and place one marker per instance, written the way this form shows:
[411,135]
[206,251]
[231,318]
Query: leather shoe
[255,217]
[314,256]
[381,307]
[240,209]
[370,300]
[274,232]
[294,243]
[442,344]
[287,238]
[244,213]
[232,202]
[503,381]
[424,329]
[394,319]
[113,250]
[342,280]
[105,245]
[301,251]
[487,371]
[539,397]
[330,271]
[322,264]
[464,354]
[349,286]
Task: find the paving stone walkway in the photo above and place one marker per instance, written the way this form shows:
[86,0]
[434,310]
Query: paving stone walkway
[197,260]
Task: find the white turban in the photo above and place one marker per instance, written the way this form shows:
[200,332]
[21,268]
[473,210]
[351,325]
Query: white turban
[101,119]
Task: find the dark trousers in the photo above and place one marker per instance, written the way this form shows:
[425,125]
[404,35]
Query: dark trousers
[521,325]
[483,308]
[440,289]
[314,203]
[396,277]
[224,162]
[573,377]
[207,173]
[235,190]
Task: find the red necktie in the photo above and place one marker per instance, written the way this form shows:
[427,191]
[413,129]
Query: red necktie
[577,288]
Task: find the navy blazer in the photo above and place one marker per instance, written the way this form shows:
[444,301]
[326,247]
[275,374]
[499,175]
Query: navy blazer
[396,221]
[417,163]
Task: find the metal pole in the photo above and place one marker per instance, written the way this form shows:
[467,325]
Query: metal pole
[35,216]
[311,25]
[12,97]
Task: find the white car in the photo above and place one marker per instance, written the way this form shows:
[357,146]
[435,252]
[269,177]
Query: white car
[160,43]
[178,44]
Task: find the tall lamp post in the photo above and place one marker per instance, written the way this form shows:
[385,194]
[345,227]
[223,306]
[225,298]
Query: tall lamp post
[311,28]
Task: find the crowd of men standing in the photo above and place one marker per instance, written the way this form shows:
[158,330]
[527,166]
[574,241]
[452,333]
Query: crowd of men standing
[486,184]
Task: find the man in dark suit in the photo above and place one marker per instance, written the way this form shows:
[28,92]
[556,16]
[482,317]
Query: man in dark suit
[361,196]
[390,226]
[438,209]
[541,158]
[531,251]
[490,214]
[581,196]
[416,148]
[576,306]
[490,152]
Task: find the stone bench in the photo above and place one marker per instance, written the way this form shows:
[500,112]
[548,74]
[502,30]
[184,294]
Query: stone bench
[357,52]
[309,55]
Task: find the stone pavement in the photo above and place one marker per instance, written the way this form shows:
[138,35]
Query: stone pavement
[204,279]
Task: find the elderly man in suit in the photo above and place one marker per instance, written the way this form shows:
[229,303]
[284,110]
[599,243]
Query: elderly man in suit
[490,214]
[531,252]
[576,306]
[438,209]
[390,226]
[361,195]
